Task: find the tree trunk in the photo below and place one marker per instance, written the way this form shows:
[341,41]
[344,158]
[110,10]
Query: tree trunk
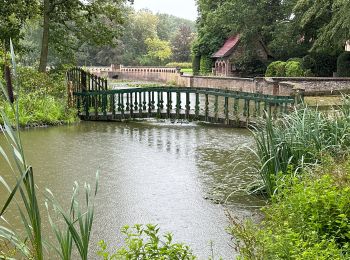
[45,39]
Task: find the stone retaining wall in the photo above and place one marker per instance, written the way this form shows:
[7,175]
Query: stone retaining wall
[311,86]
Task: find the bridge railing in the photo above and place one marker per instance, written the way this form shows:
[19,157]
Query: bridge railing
[210,105]
[80,81]
[90,94]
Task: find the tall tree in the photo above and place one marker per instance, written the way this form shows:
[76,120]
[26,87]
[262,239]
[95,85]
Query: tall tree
[92,21]
[181,44]
[325,23]
[158,52]
[14,13]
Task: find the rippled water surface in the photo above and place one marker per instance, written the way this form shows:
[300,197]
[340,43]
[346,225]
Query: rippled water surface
[171,174]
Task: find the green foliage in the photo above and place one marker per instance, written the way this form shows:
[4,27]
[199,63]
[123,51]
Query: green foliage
[131,48]
[251,66]
[144,242]
[320,64]
[196,65]
[299,140]
[276,69]
[43,99]
[289,28]
[158,52]
[206,64]
[169,26]
[294,69]
[343,65]
[182,65]
[308,219]
[323,23]
[181,44]
[14,14]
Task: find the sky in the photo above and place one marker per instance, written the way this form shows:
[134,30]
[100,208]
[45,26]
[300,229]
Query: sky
[181,8]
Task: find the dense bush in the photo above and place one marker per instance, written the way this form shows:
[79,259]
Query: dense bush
[205,65]
[181,65]
[308,219]
[276,69]
[144,242]
[43,98]
[343,65]
[320,64]
[294,69]
[250,66]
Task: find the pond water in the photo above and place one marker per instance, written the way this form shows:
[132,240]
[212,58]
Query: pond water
[175,175]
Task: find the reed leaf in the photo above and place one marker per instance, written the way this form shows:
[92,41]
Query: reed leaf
[298,140]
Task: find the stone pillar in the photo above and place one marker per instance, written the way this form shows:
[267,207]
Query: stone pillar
[299,93]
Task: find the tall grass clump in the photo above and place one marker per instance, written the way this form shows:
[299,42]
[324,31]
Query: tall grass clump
[300,139]
[75,225]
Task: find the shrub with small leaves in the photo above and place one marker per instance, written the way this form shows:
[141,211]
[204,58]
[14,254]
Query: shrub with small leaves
[144,242]
[276,69]
[309,218]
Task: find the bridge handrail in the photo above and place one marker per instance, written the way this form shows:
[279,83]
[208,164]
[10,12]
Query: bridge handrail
[209,91]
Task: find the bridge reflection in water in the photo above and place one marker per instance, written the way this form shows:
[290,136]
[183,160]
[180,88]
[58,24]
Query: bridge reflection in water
[95,102]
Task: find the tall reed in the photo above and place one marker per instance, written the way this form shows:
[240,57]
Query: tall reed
[77,221]
[299,139]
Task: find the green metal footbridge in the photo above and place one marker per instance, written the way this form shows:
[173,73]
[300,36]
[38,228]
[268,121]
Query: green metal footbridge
[95,102]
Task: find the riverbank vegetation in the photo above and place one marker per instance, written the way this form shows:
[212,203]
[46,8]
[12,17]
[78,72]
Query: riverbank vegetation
[307,219]
[43,99]
[304,164]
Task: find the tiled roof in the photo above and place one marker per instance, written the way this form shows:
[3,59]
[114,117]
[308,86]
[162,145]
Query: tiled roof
[228,46]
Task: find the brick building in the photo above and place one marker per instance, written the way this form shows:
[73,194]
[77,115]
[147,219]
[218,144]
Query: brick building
[225,59]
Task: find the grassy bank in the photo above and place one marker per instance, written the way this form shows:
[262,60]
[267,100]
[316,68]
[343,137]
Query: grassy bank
[43,99]
[304,164]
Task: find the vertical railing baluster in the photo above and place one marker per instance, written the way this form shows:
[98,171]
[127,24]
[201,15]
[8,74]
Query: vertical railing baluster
[119,102]
[236,108]
[144,101]
[96,108]
[122,107]
[188,106]
[149,104]
[216,108]
[113,105]
[161,100]
[140,104]
[127,108]
[158,104]
[169,105]
[104,104]
[227,119]
[136,104]
[178,104]
[196,107]
[87,101]
[152,101]
[206,107]
[131,106]
[245,107]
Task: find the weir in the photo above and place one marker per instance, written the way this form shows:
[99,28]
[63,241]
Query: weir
[95,102]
